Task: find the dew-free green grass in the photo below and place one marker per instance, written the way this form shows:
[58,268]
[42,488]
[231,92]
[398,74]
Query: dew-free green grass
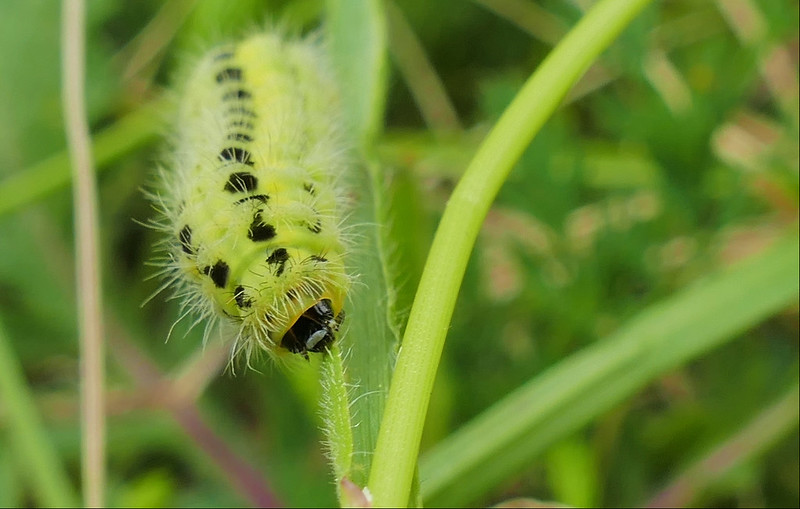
[612,263]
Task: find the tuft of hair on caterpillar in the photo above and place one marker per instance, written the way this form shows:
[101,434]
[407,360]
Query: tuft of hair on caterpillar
[251,196]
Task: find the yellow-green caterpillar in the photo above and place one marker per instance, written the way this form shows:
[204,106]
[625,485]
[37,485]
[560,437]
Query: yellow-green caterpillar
[252,195]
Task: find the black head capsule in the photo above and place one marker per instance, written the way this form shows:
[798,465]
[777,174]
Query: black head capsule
[314,330]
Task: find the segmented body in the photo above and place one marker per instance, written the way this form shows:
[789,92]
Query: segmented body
[253,199]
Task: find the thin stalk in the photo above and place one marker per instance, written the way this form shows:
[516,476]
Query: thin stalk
[401,428]
[90,324]
[419,74]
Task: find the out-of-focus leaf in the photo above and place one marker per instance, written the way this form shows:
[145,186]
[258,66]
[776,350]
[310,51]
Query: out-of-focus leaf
[43,467]
[506,437]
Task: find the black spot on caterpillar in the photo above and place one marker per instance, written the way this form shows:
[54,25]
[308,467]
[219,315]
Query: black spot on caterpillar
[241,111]
[278,257]
[219,274]
[260,231]
[224,56]
[236,154]
[241,123]
[236,94]
[229,73]
[241,299]
[258,197]
[314,227]
[240,137]
[241,182]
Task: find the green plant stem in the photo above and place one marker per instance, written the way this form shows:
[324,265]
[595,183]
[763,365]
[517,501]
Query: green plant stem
[90,310]
[51,487]
[336,414]
[401,428]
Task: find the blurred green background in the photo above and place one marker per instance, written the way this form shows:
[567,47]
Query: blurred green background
[676,155]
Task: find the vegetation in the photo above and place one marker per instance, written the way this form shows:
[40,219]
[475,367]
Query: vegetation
[625,332]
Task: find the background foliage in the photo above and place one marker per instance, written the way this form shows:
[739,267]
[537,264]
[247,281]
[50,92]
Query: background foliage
[675,156]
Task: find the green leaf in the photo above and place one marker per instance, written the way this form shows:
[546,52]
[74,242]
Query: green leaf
[764,430]
[53,173]
[506,437]
[357,41]
[357,36]
[572,473]
[44,469]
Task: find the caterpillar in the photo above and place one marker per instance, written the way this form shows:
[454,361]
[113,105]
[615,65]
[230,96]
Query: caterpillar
[251,196]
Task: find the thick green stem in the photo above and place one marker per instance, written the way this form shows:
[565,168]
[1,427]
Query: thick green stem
[401,428]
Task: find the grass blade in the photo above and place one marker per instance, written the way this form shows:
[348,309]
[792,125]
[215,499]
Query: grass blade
[357,38]
[401,430]
[53,173]
[44,469]
[506,437]
[754,438]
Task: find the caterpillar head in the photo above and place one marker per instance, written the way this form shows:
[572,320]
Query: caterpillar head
[314,330]
[282,299]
